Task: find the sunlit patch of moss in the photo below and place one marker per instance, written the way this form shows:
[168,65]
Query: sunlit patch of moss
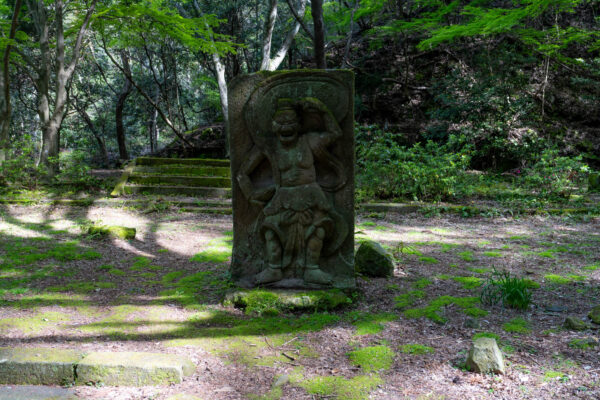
[140,263]
[422,283]
[479,270]
[218,251]
[492,254]
[116,272]
[372,358]
[416,349]
[446,247]
[357,388]
[431,311]
[517,325]
[33,301]
[408,299]
[368,323]
[429,260]
[36,323]
[546,254]
[469,282]
[518,237]
[82,287]
[403,249]
[557,279]
[162,251]
[554,375]
[466,255]
[118,323]
[592,267]
[443,277]
[483,243]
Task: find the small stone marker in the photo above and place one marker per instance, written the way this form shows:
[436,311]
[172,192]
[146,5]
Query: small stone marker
[292,166]
[37,366]
[594,315]
[133,369]
[485,356]
[372,260]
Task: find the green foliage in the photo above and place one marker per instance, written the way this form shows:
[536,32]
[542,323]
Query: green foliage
[511,291]
[556,176]
[388,170]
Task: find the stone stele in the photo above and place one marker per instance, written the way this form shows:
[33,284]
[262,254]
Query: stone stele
[292,164]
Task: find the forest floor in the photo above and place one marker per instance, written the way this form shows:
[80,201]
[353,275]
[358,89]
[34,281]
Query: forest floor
[399,339]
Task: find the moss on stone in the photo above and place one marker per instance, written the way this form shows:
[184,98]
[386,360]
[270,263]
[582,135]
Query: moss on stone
[116,231]
[38,366]
[273,302]
[372,260]
[36,323]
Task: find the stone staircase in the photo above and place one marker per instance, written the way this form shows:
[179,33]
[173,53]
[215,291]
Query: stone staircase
[192,177]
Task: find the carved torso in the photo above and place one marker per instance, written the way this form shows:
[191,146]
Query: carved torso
[296,163]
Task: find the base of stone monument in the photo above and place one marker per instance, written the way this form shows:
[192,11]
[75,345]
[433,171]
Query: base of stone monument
[282,300]
[296,283]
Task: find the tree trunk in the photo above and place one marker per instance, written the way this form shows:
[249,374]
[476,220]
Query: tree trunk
[152,126]
[97,136]
[319,38]
[125,91]
[5,108]
[268,38]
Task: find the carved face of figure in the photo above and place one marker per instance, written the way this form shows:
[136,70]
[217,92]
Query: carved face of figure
[286,125]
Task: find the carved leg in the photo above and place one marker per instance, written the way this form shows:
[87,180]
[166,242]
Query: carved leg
[273,272]
[313,273]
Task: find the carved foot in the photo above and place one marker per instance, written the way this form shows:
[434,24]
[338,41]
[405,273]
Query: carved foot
[313,274]
[269,275]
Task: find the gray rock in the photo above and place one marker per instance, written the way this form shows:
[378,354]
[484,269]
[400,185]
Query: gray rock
[575,324]
[37,366]
[282,380]
[372,260]
[133,369]
[555,308]
[485,356]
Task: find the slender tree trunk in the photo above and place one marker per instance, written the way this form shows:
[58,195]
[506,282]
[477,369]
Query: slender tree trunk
[125,91]
[268,38]
[51,120]
[319,38]
[5,107]
[97,136]
[152,126]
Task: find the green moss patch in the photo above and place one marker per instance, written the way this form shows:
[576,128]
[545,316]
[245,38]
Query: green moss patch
[466,255]
[469,282]
[416,349]
[36,323]
[557,279]
[429,260]
[373,358]
[492,254]
[368,323]
[120,232]
[432,311]
[337,387]
[490,335]
[422,283]
[517,325]
[408,299]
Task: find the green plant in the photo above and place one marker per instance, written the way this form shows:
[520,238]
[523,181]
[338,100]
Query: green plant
[511,291]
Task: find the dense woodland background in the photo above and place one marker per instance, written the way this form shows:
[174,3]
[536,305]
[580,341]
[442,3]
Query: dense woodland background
[442,87]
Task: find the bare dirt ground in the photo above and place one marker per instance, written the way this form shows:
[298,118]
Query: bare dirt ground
[162,292]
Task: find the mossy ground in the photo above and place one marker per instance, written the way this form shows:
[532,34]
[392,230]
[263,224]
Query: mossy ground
[163,291]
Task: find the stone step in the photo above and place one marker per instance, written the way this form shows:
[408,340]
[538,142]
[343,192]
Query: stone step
[178,190]
[181,161]
[133,369]
[186,170]
[49,366]
[36,393]
[174,180]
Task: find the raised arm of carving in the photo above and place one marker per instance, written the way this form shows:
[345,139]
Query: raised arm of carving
[332,131]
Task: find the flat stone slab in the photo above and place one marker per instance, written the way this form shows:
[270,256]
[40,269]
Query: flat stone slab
[35,393]
[288,300]
[133,369]
[37,366]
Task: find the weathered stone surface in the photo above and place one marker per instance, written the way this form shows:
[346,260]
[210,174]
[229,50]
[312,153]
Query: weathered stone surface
[485,356]
[287,300]
[37,366]
[133,369]
[594,315]
[292,163]
[36,393]
[575,324]
[372,260]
